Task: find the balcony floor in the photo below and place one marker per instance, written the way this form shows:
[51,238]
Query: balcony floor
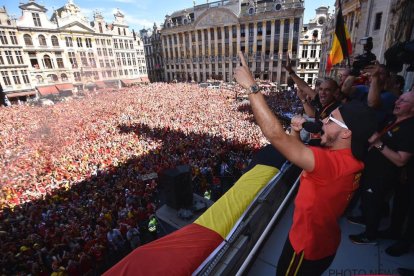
[351,259]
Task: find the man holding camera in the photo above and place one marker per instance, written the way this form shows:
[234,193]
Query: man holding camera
[330,176]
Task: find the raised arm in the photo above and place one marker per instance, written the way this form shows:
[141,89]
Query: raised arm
[302,85]
[374,94]
[289,146]
[307,107]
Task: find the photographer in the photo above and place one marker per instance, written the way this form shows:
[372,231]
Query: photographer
[315,233]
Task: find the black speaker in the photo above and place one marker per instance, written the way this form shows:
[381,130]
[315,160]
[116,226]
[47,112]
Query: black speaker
[177,187]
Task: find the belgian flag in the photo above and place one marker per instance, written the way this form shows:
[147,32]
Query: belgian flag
[341,45]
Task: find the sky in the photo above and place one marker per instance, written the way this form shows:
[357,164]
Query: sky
[140,13]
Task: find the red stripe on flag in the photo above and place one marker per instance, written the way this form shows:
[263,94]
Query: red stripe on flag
[179,253]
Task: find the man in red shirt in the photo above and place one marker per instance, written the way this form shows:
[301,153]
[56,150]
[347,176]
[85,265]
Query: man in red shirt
[331,175]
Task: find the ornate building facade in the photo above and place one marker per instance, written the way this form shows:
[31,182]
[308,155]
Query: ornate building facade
[67,52]
[310,46]
[153,53]
[202,42]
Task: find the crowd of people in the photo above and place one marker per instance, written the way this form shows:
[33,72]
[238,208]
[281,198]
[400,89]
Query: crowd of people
[79,178]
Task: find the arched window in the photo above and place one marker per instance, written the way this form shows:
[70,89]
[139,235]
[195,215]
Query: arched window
[42,40]
[28,40]
[39,79]
[47,61]
[64,77]
[55,41]
[52,78]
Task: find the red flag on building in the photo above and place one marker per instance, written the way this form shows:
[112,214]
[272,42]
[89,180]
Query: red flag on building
[341,45]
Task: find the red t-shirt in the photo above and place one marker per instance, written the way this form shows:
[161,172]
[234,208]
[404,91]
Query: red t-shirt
[322,198]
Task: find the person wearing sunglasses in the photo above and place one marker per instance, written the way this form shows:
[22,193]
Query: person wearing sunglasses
[330,176]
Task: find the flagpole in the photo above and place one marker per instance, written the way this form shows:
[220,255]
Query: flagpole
[348,58]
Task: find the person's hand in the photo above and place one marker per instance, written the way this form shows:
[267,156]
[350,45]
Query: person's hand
[288,65]
[242,74]
[372,69]
[296,122]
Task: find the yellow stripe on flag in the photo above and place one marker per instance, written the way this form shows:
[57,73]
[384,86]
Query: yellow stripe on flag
[223,214]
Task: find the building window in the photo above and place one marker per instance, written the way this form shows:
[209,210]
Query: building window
[42,40]
[47,61]
[28,40]
[305,51]
[79,41]
[16,78]
[84,60]
[25,76]
[1,59]
[131,44]
[19,57]
[88,42]
[77,76]
[92,60]
[9,57]
[99,51]
[116,43]
[72,60]
[69,42]
[59,62]
[259,28]
[129,59]
[13,38]
[100,27]
[378,19]
[3,37]
[108,41]
[36,19]
[313,51]
[6,78]
[64,77]
[52,78]
[119,31]
[55,41]
[39,79]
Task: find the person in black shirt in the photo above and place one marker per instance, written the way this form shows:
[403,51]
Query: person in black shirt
[390,150]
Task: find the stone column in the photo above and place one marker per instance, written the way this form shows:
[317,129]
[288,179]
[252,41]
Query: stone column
[281,37]
[254,47]
[209,51]
[263,53]
[272,48]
